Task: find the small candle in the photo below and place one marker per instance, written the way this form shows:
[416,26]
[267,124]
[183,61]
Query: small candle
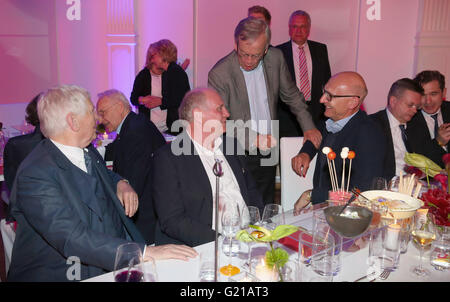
[105,136]
[265,273]
[392,233]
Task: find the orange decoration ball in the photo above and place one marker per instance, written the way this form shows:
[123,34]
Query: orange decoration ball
[331,155]
[351,154]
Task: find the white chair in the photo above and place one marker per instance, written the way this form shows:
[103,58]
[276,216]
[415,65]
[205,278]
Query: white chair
[292,185]
[8,236]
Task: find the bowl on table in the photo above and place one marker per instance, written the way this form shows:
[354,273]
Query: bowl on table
[407,210]
[351,223]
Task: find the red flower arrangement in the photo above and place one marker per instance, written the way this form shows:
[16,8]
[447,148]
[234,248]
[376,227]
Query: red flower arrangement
[437,201]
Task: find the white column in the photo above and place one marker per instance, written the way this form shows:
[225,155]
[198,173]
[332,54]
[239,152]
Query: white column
[121,42]
[433,40]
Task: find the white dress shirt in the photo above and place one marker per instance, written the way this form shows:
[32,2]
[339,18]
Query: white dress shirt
[257,97]
[74,154]
[399,146]
[295,55]
[158,116]
[430,123]
[229,187]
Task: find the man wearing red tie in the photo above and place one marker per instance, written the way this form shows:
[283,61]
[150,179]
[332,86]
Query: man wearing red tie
[309,67]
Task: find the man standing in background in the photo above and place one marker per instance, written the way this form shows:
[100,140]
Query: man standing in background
[309,68]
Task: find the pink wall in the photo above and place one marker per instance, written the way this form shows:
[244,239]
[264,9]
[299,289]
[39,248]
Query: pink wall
[387,48]
[39,47]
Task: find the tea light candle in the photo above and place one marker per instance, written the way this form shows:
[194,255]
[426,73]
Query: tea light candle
[392,233]
[265,273]
[105,136]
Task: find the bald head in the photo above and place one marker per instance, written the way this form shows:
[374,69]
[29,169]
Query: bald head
[343,95]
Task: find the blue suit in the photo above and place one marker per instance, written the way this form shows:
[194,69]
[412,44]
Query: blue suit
[61,212]
[362,135]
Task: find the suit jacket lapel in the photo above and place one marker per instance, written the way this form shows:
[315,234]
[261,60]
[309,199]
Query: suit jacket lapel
[75,174]
[239,82]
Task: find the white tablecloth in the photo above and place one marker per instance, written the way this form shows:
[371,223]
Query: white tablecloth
[354,264]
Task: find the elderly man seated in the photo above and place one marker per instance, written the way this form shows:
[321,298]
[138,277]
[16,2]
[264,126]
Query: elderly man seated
[346,126]
[69,207]
[132,152]
[184,189]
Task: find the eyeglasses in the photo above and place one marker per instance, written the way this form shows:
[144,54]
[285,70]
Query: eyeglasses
[330,96]
[248,56]
[412,105]
[101,113]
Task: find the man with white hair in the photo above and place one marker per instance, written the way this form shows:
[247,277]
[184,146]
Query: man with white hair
[132,152]
[70,209]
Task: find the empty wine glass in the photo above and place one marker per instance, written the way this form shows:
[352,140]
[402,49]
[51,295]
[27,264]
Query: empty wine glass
[424,233]
[273,216]
[128,263]
[230,225]
[379,183]
[250,216]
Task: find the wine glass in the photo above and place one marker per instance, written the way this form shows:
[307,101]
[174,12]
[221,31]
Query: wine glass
[379,183]
[423,232]
[250,216]
[230,225]
[128,263]
[273,216]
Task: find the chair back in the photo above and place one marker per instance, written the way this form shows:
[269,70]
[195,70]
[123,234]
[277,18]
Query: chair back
[292,185]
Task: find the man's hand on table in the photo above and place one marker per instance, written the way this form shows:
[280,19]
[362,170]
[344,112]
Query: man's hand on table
[169,251]
[128,198]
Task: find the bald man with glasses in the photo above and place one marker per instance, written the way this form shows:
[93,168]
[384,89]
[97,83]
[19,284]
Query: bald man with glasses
[346,126]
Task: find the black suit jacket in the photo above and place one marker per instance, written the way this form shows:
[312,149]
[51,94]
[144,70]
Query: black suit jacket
[16,149]
[175,84]
[132,159]
[389,163]
[183,196]
[60,215]
[419,137]
[321,73]
[362,135]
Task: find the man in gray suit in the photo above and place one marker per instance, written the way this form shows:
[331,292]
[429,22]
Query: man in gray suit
[250,80]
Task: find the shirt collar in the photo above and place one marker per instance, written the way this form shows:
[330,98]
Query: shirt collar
[393,121]
[336,126]
[203,150]
[121,123]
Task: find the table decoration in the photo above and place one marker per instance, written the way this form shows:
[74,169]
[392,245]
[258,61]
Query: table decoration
[274,258]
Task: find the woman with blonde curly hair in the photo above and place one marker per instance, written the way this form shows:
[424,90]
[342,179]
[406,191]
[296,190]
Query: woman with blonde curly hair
[160,86]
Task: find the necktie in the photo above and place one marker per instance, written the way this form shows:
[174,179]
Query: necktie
[436,126]
[88,162]
[404,137]
[304,86]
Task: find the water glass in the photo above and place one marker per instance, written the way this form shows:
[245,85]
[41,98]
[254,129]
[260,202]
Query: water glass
[320,224]
[323,253]
[379,183]
[384,248]
[206,267]
[440,250]
[273,216]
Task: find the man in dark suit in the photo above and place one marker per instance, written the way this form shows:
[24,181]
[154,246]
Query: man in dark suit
[137,139]
[429,131]
[184,184]
[70,209]
[250,81]
[159,88]
[17,148]
[404,99]
[347,126]
[309,68]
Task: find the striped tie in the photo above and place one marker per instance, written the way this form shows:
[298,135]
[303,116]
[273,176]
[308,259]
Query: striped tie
[304,86]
